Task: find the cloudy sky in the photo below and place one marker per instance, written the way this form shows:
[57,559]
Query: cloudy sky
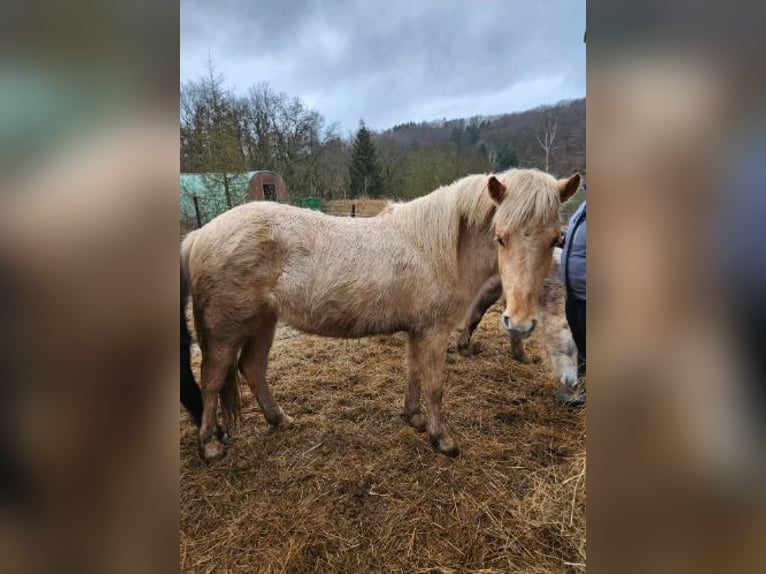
[392,61]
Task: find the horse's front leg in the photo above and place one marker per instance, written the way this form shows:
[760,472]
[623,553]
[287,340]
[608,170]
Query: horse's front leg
[412,412]
[433,358]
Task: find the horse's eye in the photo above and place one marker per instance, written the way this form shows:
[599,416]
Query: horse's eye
[499,241]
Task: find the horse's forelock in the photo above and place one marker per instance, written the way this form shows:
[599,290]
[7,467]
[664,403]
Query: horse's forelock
[532,198]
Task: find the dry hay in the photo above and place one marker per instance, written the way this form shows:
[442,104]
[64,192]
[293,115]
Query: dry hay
[351,488]
[364,207]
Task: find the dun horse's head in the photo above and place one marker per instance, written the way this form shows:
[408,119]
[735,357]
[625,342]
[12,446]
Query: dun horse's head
[527,228]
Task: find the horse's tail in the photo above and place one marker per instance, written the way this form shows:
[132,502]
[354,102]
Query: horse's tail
[229,397]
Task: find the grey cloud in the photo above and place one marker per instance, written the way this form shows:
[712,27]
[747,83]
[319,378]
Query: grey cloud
[383,60]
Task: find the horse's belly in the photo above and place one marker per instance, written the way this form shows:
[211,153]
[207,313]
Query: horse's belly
[341,323]
[352,300]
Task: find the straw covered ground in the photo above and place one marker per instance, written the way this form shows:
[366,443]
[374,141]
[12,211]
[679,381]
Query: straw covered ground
[351,488]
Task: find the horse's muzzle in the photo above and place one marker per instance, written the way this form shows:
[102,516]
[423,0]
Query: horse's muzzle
[520,331]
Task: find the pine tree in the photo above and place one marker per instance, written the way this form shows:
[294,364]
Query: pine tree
[506,158]
[364,171]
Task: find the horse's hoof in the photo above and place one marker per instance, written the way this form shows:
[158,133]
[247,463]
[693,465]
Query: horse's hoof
[575,399]
[451,452]
[446,446]
[278,419]
[416,421]
[286,421]
[213,451]
[569,380]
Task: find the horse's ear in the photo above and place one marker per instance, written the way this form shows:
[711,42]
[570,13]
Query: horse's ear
[568,187]
[496,190]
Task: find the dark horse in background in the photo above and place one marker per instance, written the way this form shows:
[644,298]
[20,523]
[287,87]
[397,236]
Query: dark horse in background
[191,396]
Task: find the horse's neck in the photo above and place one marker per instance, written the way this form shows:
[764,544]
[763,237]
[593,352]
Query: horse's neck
[452,225]
[477,258]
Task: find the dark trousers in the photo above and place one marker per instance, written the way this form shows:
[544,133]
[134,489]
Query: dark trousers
[750,334]
[575,310]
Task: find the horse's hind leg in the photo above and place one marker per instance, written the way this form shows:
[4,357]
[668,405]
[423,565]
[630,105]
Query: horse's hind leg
[518,350]
[253,364]
[466,331]
[489,294]
[216,366]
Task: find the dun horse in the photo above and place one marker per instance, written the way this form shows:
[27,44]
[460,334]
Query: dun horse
[416,270]
[560,348]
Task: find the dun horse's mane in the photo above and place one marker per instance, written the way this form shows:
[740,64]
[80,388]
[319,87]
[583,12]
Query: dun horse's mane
[433,221]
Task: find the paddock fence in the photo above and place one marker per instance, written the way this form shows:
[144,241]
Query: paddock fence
[197,208]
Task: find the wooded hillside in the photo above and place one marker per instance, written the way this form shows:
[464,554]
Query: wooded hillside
[222,132]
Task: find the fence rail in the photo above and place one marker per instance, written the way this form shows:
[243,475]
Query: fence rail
[195,211]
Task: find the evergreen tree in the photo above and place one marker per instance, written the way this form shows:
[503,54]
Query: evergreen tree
[364,172]
[506,158]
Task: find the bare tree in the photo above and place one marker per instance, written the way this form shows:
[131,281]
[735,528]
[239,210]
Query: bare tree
[490,153]
[284,135]
[550,125]
[212,140]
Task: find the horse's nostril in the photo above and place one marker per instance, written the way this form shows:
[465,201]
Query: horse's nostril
[514,330]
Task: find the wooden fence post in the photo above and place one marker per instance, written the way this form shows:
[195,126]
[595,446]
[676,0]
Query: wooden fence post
[196,211]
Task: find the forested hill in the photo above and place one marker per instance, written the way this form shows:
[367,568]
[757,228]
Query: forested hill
[517,138]
[418,157]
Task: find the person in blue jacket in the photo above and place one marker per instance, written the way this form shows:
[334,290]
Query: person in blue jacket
[736,250]
[573,277]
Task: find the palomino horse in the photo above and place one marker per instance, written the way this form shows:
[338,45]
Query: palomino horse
[416,270]
[560,348]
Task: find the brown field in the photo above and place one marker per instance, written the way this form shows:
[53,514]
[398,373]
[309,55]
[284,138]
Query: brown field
[351,488]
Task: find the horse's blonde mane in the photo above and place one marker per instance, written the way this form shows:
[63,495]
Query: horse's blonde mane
[432,222]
